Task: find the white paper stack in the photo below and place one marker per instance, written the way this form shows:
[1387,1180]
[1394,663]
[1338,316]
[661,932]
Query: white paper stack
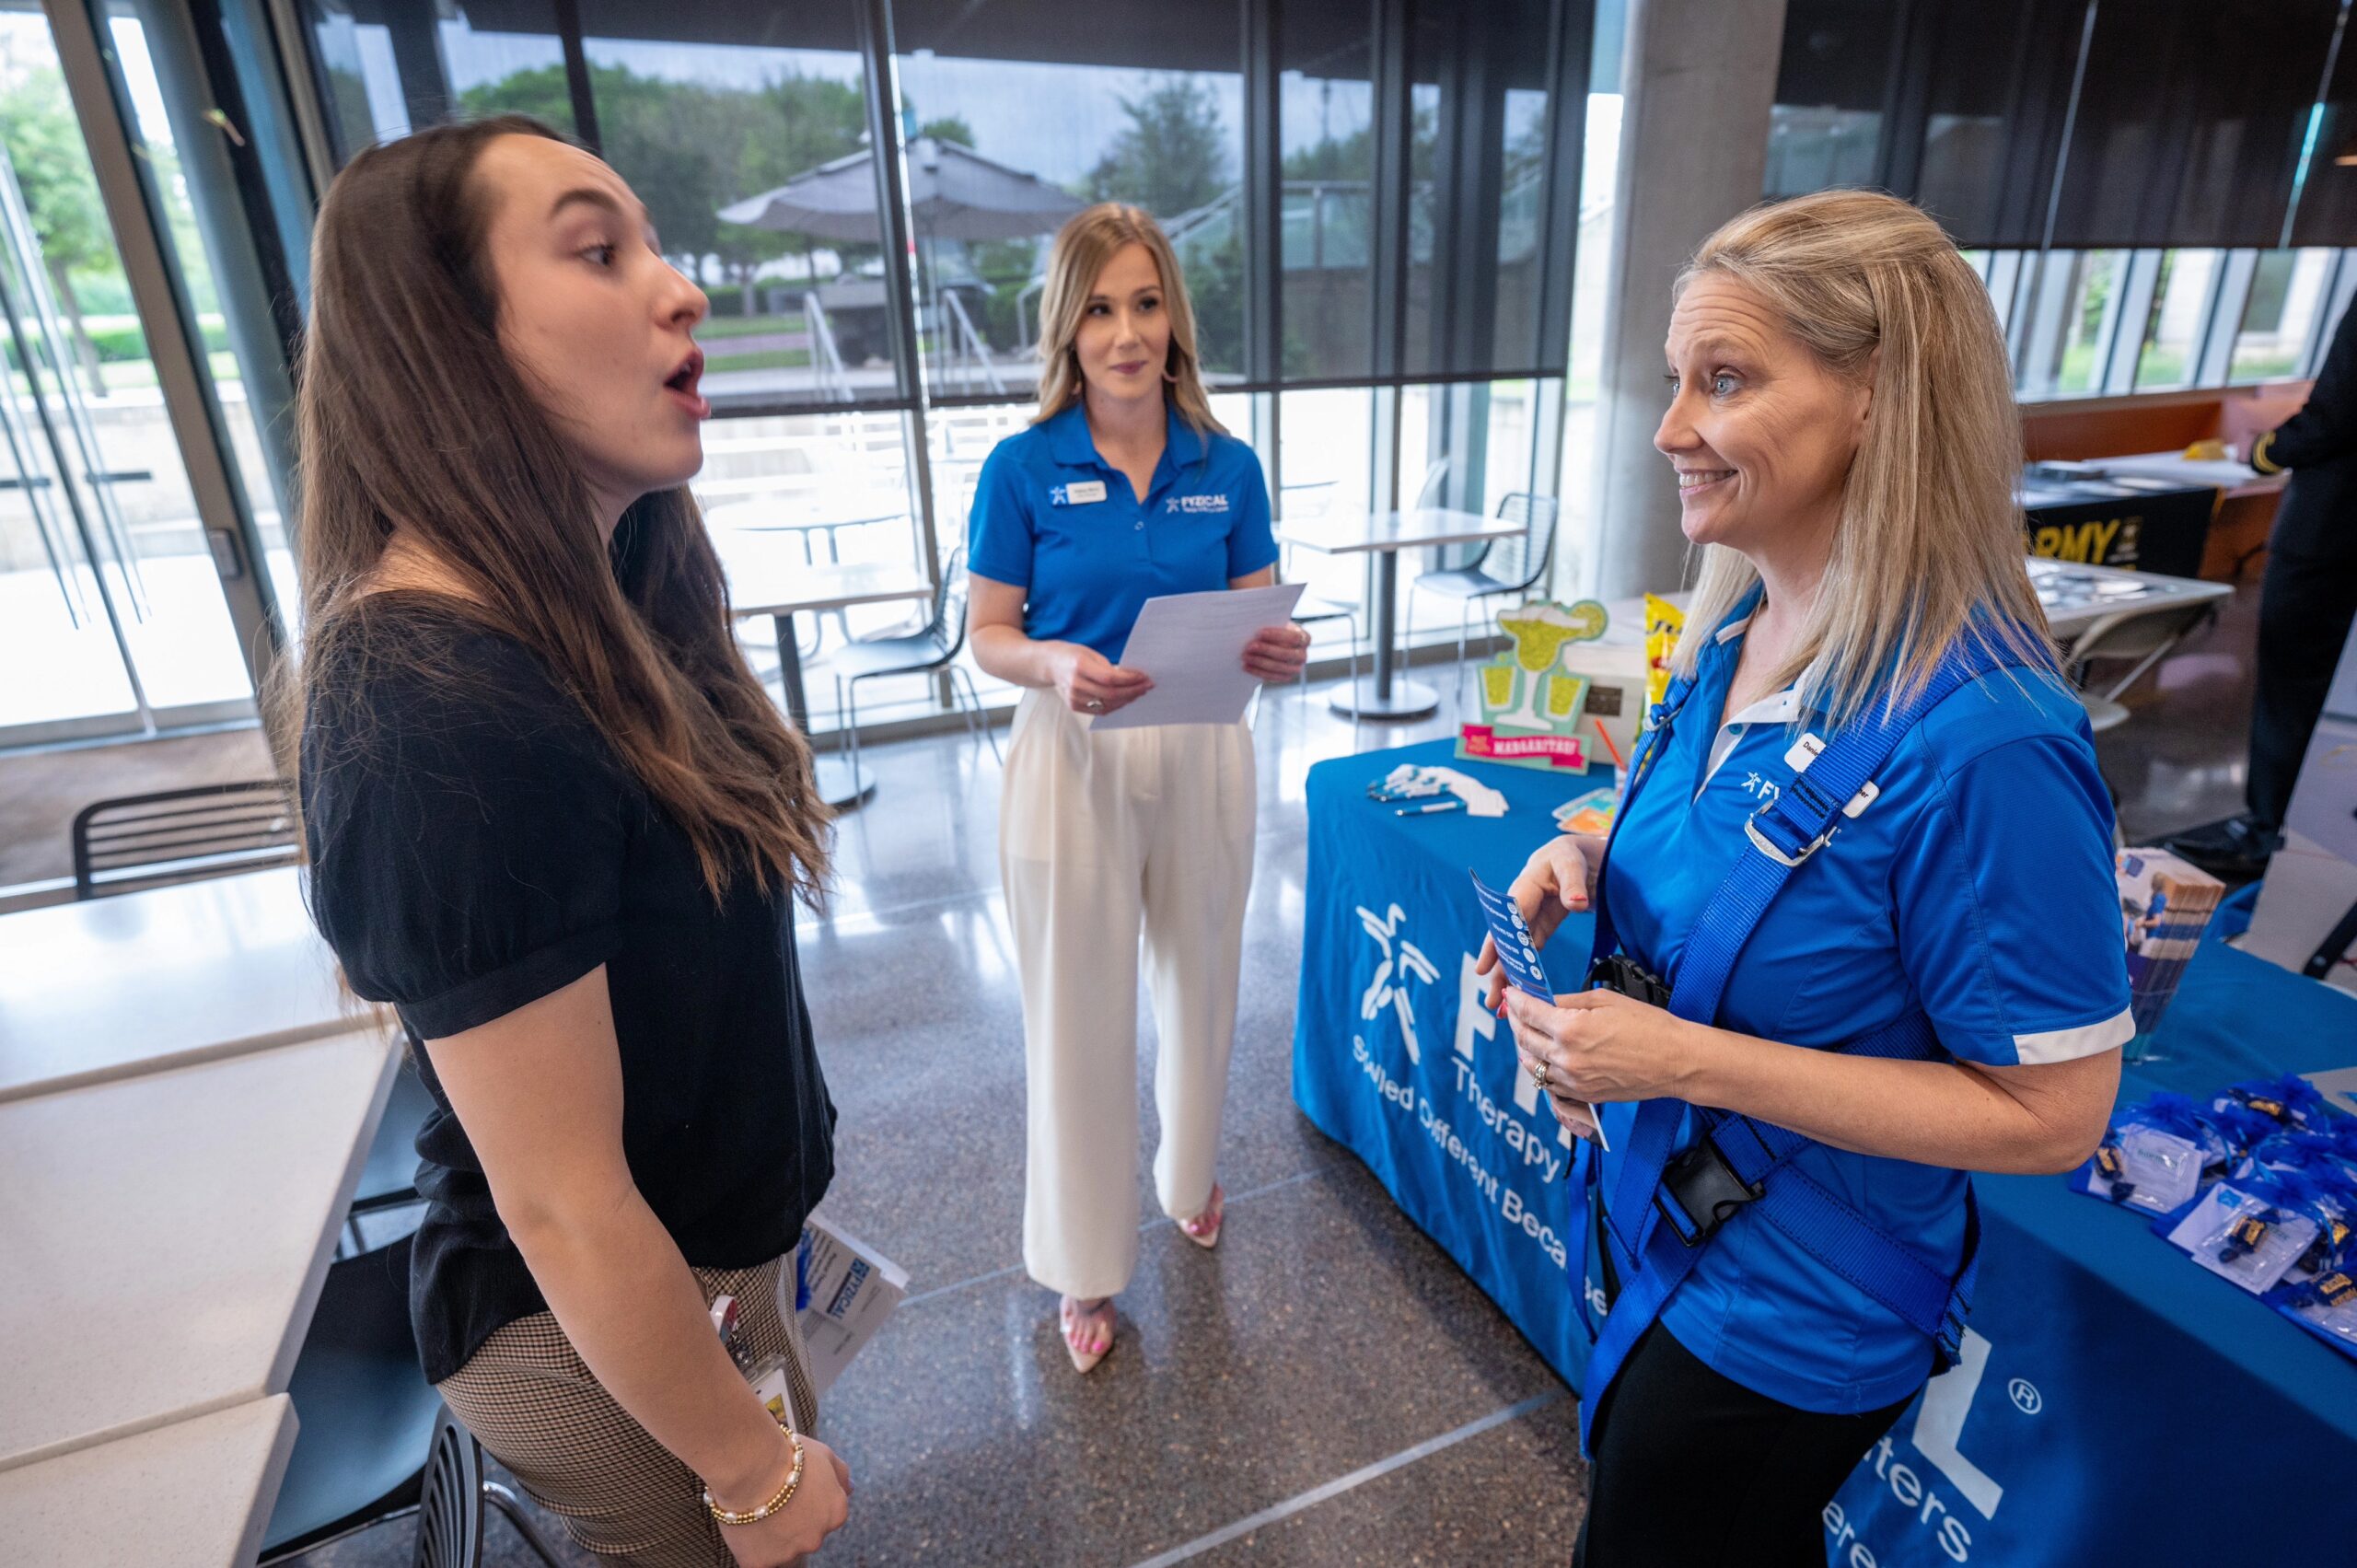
[1192,645]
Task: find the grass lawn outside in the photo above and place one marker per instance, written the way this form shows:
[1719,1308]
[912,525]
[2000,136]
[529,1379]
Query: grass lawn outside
[774,359]
[718,326]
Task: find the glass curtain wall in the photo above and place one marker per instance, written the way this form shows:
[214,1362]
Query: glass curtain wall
[1326,151]
[752,133]
[2215,317]
[2281,315]
[2154,191]
[2182,303]
[130,569]
[1017,120]
[383,67]
[751,153]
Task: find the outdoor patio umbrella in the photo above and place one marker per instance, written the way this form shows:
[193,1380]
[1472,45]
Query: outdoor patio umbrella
[954,193]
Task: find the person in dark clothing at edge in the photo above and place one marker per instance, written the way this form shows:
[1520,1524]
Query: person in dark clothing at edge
[2307,602]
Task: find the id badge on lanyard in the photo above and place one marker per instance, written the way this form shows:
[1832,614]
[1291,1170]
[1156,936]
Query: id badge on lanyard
[766,1373]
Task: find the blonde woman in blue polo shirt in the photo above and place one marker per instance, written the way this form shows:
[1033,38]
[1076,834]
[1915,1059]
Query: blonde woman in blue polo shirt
[1866,844]
[1124,488]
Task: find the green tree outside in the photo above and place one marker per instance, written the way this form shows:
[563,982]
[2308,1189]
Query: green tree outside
[45,144]
[689,149]
[1172,157]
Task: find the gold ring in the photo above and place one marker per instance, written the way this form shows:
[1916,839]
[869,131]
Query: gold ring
[1539,1075]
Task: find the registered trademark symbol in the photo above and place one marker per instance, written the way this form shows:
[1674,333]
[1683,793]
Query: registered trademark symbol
[2026,1395]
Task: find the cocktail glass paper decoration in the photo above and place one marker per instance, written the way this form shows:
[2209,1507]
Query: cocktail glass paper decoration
[1532,701]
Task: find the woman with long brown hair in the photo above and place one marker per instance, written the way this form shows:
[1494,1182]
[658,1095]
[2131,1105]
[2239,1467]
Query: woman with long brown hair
[1125,487]
[555,821]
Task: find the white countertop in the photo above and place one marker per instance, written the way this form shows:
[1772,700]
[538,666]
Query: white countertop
[1361,533]
[164,1235]
[194,1494]
[115,986]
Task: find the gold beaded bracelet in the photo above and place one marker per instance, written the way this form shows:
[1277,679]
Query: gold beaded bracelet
[783,1496]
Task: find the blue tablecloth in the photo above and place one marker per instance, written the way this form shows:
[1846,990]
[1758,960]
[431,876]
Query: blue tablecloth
[2117,1403]
[1394,1053]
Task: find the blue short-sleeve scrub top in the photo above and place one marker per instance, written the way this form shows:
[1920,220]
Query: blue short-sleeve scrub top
[1050,515]
[1979,884]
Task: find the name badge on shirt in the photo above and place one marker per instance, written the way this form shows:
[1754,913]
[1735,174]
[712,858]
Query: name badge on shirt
[1085,493]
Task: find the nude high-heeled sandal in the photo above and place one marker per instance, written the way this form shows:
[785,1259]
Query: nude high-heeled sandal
[1088,1332]
[1203,1229]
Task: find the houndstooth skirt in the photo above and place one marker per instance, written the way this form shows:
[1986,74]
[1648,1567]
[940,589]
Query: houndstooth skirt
[532,1402]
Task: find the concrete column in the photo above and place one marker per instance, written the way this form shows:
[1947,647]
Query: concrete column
[1697,79]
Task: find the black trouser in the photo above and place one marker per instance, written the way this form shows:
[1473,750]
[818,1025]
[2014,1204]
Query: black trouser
[1692,1470]
[2304,609]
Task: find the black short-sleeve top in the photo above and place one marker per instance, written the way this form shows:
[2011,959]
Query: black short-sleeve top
[475,845]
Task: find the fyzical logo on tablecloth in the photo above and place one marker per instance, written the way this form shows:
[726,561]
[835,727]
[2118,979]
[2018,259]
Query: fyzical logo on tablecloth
[1937,1438]
[1504,1144]
[1402,962]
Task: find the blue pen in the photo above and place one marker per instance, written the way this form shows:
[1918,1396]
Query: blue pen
[1451,804]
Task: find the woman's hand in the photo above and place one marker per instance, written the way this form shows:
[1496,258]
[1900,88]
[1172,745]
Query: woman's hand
[821,1501]
[1594,1046]
[1090,683]
[1277,653]
[1554,883]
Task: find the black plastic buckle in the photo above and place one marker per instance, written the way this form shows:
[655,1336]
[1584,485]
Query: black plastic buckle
[1699,1192]
[1618,972]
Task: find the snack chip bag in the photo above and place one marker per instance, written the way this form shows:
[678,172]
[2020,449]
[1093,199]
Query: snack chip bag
[1664,622]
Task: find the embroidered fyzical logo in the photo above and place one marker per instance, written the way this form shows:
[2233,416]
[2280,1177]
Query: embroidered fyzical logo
[1196,503]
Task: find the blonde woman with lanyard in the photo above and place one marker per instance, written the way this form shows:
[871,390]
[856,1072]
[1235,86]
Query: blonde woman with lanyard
[1866,844]
[1124,488]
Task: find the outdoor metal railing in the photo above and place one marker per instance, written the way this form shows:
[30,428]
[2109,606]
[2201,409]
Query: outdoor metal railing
[828,376]
[965,348]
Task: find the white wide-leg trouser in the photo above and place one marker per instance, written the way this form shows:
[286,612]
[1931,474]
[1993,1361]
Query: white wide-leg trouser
[1101,835]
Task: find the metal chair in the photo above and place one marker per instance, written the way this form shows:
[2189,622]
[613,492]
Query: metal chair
[1428,494]
[388,1180]
[1505,566]
[374,1442]
[2145,636]
[1311,500]
[935,645]
[1308,611]
[178,835]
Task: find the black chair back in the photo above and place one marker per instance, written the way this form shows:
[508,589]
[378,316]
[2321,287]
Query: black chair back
[1521,561]
[178,835]
[389,1178]
[449,1516]
[367,1413]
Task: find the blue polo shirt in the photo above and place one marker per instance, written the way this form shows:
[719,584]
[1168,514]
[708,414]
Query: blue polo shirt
[1053,516]
[1977,884]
